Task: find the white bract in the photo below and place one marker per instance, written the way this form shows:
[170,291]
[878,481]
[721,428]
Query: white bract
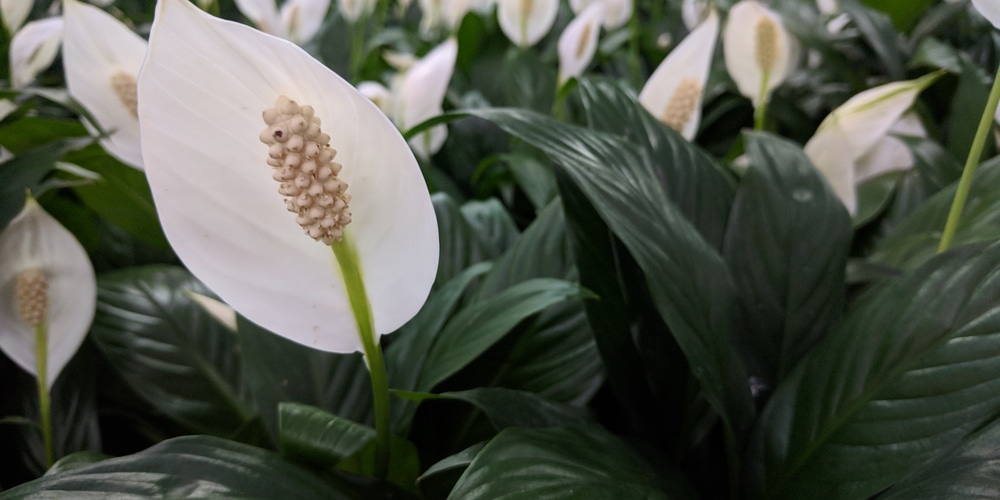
[14,13]
[852,130]
[45,276]
[890,153]
[33,49]
[614,14]
[578,42]
[693,12]
[757,50]
[101,59]
[525,22]
[229,155]
[417,94]
[673,93]
[352,10]
[298,20]
[990,9]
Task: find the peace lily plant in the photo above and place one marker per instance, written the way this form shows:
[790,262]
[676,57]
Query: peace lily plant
[33,48]
[297,20]
[48,304]
[283,189]
[526,22]
[578,42]
[101,58]
[758,52]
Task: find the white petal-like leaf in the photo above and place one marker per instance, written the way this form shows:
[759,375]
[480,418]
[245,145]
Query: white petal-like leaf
[421,91]
[102,58]
[303,18]
[990,9]
[578,42]
[685,69]
[890,153]
[757,50]
[526,22]
[264,15]
[830,152]
[14,13]
[33,49]
[202,90]
[35,240]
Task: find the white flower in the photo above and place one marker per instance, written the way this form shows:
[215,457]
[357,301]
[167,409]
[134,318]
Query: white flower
[101,58]
[210,92]
[352,10]
[757,49]
[417,94]
[45,276]
[33,49]
[578,42]
[298,20]
[890,153]
[616,12]
[853,129]
[673,93]
[693,12]
[14,13]
[990,9]
[828,7]
[525,22]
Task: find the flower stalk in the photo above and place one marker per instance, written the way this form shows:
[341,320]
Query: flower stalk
[44,399]
[965,183]
[358,297]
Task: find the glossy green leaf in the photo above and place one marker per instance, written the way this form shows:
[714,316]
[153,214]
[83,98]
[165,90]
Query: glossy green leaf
[492,224]
[905,377]
[478,326]
[308,434]
[169,350]
[786,247]
[691,179]
[878,31]
[874,196]
[915,239]
[511,408]
[903,14]
[687,278]
[460,246]
[439,479]
[190,467]
[966,108]
[26,171]
[562,463]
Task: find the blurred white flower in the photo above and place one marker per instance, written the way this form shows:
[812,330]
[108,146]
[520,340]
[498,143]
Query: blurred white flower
[828,7]
[693,12]
[673,93]
[990,9]
[852,130]
[45,279]
[14,13]
[890,153]
[211,91]
[33,49]
[298,20]
[615,13]
[757,49]
[218,310]
[417,93]
[352,10]
[101,59]
[525,22]
[578,42]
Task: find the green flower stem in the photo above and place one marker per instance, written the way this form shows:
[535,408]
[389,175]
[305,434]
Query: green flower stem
[357,48]
[356,294]
[965,183]
[760,112]
[44,404]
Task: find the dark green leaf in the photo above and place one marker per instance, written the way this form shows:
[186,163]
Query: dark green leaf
[460,246]
[874,195]
[308,434]
[169,350]
[510,408]
[877,29]
[786,247]
[25,171]
[687,278]
[562,462]
[439,479]
[967,106]
[75,461]
[908,374]
[190,467]
[491,223]
[903,14]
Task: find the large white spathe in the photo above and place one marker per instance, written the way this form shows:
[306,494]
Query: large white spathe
[852,130]
[101,58]
[525,22]
[990,9]
[35,240]
[14,13]
[673,92]
[578,42]
[202,92]
[33,49]
[614,15]
[758,50]
[298,20]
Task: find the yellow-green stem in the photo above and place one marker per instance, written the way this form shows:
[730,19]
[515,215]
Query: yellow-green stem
[358,297]
[44,405]
[760,111]
[965,183]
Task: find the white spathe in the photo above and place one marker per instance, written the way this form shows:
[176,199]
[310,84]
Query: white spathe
[688,62]
[614,15]
[758,50]
[353,10]
[990,9]
[202,92]
[14,13]
[298,20]
[578,42]
[850,132]
[525,22]
[33,49]
[34,239]
[890,153]
[98,49]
